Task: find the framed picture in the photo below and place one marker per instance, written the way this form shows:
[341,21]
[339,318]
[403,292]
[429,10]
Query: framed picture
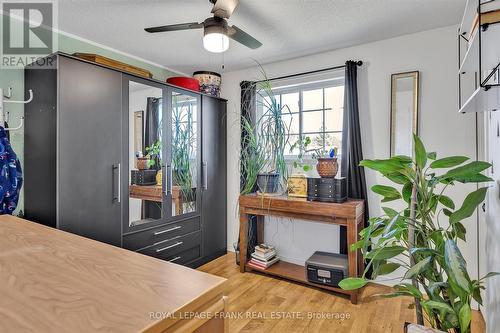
[138,130]
[404,112]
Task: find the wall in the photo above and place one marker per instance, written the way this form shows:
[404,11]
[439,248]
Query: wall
[434,54]
[69,44]
[490,248]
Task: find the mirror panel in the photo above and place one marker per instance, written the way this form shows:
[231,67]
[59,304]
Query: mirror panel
[184,165]
[145,154]
[404,112]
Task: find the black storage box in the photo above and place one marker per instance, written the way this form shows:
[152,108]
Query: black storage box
[327,268]
[143,177]
[327,189]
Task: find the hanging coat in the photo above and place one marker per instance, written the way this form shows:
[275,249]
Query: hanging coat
[11,176]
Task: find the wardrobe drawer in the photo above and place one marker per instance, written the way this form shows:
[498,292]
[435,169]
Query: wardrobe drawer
[185,256]
[154,236]
[173,247]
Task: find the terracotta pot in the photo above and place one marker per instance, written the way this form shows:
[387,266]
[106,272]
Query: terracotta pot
[327,167]
[142,163]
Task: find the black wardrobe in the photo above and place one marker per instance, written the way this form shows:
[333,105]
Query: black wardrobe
[85,129]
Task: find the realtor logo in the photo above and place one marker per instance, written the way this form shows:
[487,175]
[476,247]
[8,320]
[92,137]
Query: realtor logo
[27,32]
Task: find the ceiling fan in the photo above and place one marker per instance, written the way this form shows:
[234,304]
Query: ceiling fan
[216,30]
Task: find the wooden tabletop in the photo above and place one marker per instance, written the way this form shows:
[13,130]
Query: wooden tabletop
[352,208]
[53,281]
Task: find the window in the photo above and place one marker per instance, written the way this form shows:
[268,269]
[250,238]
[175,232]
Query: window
[314,110]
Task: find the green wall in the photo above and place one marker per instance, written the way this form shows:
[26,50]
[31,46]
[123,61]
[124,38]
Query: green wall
[15,78]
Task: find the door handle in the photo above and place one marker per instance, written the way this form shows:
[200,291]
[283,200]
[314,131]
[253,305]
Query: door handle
[174,259]
[168,178]
[168,230]
[117,188]
[168,247]
[205,175]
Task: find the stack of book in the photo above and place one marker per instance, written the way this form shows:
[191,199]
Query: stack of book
[263,257]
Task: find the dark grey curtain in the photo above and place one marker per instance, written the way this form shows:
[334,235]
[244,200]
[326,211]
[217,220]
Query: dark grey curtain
[152,124]
[352,151]
[249,111]
[151,132]
[151,135]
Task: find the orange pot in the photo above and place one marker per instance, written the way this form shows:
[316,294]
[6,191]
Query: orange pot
[142,163]
[327,167]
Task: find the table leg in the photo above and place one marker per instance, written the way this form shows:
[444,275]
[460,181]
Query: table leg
[260,229]
[243,239]
[352,237]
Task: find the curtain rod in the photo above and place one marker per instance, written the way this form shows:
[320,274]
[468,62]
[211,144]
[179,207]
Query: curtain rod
[359,63]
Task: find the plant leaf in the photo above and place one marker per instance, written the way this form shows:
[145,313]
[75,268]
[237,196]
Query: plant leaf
[418,268]
[385,252]
[410,288]
[420,153]
[448,162]
[387,192]
[477,178]
[383,166]
[464,317]
[441,306]
[407,191]
[432,156]
[352,283]
[388,268]
[446,201]
[467,170]
[397,177]
[490,274]
[469,205]
[456,267]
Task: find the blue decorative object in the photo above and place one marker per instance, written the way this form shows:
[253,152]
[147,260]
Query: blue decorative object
[11,176]
[332,152]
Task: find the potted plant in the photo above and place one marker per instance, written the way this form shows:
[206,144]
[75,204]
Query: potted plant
[327,164]
[153,154]
[425,233]
[271,136]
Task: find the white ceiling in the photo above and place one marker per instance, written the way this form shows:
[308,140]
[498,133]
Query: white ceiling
[287,28]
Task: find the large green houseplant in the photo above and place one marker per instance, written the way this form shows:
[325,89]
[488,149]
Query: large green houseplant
[262,158]
[421,239]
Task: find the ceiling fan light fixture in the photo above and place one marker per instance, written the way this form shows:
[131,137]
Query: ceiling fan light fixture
[215,42]
[215,37]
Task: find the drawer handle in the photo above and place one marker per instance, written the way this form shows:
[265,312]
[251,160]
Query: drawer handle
[168,247]
[175,259]
[165,231]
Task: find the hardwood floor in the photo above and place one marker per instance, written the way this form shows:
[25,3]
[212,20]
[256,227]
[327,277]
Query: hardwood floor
[259,303]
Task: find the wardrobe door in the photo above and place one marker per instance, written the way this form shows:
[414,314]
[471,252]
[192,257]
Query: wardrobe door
[184,170]
[89,151]
[214,177]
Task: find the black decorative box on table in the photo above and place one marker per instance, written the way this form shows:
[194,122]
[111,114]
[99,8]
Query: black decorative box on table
[327,189]
[143,177]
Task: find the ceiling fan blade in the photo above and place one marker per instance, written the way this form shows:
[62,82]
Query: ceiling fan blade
[224,8]
[242,37]
[175,27]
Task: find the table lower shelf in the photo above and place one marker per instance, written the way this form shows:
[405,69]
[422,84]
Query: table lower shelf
[295,273]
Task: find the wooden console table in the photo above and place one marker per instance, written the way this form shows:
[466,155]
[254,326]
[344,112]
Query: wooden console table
[349,214]
[154,193]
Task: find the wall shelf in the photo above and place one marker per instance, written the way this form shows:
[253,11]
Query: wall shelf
[479,58]
[482,100]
